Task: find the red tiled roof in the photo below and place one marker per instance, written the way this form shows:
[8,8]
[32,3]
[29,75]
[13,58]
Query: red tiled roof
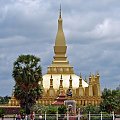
[60,99]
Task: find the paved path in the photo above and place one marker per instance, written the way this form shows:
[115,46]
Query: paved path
[117,119]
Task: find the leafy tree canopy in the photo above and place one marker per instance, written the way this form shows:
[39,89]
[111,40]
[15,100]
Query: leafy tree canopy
[4,100]
[111,100]
[27,75]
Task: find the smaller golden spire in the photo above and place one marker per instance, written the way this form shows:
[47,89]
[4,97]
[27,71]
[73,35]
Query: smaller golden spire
[51,75]
[80,75]
[90,79]
[70,77]
[51,82]
[61,85]
[95,78]
[80,80]
[98,75]
[61,77]
[70,82]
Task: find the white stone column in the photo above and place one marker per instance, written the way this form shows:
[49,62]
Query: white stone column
[89,115]
[57,115]
[101,116]
[67,114]
[45,115]
[113,115]
[79,114]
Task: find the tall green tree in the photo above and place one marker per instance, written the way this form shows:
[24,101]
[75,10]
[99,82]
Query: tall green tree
[111,100]
[27,75]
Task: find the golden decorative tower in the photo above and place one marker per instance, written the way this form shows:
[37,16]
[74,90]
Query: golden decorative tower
[13,101]
[60,63]
[90,93]
[80,89]
[51,91]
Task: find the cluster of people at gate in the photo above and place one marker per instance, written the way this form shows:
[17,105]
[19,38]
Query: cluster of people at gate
[27,117]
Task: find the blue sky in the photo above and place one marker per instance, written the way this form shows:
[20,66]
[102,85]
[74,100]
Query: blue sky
[91,27]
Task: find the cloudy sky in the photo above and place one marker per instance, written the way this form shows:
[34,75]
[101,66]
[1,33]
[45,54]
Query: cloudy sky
[91,27]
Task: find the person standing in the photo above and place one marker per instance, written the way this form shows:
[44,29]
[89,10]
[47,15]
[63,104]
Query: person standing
[32,116]
[40,117]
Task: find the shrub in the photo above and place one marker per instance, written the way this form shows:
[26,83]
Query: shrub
[51,110]
[1,112]
[62,109]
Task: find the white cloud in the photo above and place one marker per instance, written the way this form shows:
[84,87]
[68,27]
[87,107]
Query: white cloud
[109,28]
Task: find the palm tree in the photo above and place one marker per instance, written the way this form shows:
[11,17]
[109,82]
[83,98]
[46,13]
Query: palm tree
[27,75]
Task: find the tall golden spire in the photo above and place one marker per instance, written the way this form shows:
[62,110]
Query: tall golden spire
[60,64]
[60,38]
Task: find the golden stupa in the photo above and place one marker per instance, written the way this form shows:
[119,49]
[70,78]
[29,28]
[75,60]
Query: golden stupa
[60,77]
